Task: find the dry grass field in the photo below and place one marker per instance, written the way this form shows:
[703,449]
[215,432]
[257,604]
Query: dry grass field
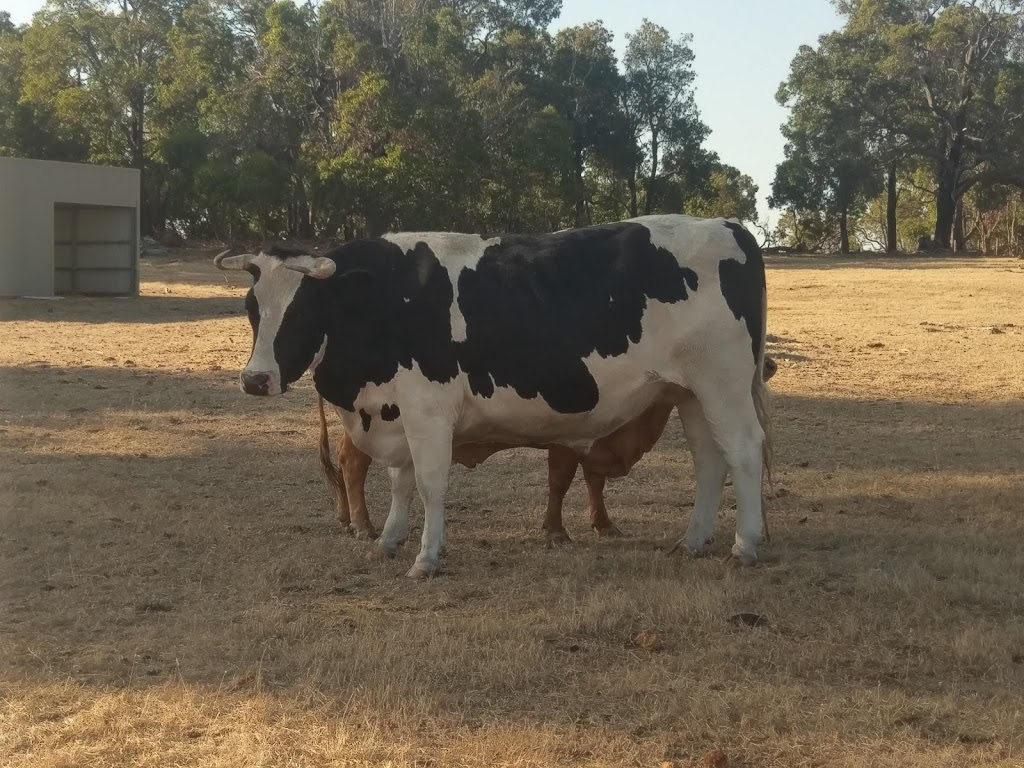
[174,590]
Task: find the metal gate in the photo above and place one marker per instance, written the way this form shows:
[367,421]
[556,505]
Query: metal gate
[94,250]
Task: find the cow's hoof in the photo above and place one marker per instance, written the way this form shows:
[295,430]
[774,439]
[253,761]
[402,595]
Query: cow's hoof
[556,538]
[364,534]
[421,571]
[345,528]
[610,531]
[741,559]
[380,552]
[684,547]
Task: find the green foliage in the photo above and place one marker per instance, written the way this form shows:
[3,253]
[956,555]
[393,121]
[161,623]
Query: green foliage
[906,85]
[729,194]
[253,117]
[659,105]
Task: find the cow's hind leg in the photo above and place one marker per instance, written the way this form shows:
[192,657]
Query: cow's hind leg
[334,475]
[599,519]
[396,527]
[354,466]
[709,470]
[728,407]
[562,465]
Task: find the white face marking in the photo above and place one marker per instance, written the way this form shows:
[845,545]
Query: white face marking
[456,252]
[274,293]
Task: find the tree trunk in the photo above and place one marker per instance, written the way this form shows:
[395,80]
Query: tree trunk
[654,173]
[581,218]
[631,182]
[946,194]
[844,232]
[959,239]
[139,161]
[891,244]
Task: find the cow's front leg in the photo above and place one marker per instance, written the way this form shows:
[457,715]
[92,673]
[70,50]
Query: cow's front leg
[432,458]
[396,527]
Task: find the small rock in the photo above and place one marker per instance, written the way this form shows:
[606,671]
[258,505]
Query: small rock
[996,329]
[716,758]
[748,620]
[875,345]
[649,640]
[154,606]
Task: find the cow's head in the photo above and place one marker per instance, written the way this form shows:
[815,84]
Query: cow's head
[285,308]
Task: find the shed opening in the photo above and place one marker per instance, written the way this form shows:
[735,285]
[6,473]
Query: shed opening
[94,250]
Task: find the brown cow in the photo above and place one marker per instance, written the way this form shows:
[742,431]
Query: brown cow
[611,456]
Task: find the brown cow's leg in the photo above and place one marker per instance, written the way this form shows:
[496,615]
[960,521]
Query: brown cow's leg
[562,464]
[333,474]
[599,519]
[354,466]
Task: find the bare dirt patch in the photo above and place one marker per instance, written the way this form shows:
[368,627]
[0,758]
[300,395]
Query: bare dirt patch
[175,590]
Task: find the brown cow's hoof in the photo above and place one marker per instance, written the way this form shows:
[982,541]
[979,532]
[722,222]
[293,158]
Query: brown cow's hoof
[556,538]
[345,528]
[367,534]
[611,531]
[421,571]
[378,552]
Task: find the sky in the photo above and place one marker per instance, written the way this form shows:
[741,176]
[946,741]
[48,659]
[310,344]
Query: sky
[742,52]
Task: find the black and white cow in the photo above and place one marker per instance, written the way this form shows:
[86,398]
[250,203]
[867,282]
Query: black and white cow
[428,340]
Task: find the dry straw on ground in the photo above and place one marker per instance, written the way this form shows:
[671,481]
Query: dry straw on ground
[175,591]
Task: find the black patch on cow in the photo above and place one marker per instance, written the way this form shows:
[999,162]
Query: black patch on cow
[295,349]
[365,418]
[252,306]
[743,285]
[282,251]
[389,412]
[535,308]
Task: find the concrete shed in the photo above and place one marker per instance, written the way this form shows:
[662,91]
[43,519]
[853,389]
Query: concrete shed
[68,228]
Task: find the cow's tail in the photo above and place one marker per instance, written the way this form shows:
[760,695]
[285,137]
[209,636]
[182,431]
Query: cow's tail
[763,404]
[331,473]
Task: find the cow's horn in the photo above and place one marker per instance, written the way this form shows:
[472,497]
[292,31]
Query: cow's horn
[322,268]
[231,263]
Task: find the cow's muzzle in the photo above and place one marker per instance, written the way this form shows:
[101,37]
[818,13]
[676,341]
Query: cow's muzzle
[258,383]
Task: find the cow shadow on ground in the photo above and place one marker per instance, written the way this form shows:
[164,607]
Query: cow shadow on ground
[128,309]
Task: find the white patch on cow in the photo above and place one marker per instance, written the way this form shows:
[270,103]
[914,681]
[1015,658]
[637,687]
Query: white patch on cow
[456,252]
[274,292]
[318,358]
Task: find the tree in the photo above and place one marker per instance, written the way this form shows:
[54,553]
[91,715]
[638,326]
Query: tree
[829,167]
[959,64]
[95,65]
[659,98]
[584,86]
[729,194]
